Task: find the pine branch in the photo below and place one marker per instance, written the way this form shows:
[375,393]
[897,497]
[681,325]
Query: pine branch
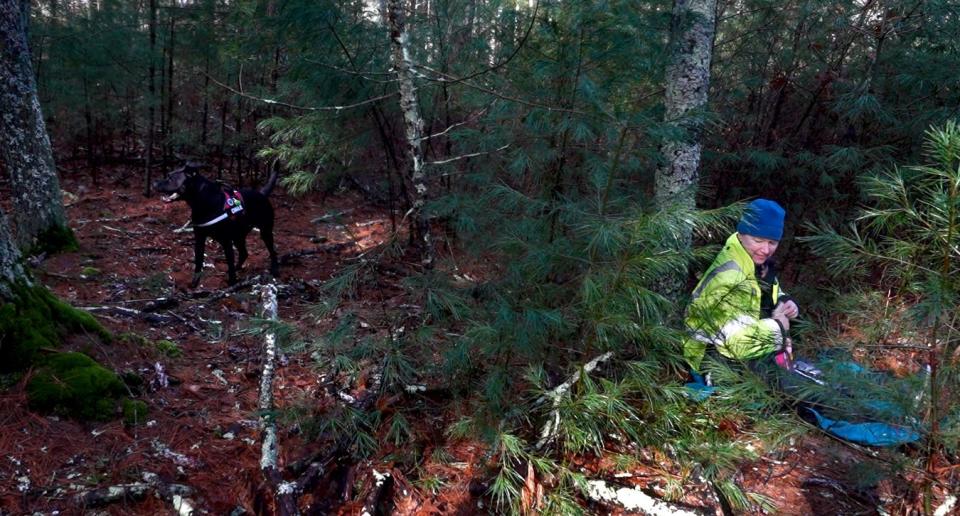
[241,93]
[465,156]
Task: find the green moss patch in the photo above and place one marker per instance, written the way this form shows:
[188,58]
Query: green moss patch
[165,347]
[36,319]
[55,239]
[168,348]
[75,385]
[134,412]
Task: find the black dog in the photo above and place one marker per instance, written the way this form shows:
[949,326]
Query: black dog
[222,213]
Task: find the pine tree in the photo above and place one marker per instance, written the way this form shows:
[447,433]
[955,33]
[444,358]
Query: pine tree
[910,234]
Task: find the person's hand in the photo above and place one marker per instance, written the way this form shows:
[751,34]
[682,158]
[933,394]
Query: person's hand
[783,320]
[784,357]
[788,309]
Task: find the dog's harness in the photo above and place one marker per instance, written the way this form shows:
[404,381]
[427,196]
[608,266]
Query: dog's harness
[232,206]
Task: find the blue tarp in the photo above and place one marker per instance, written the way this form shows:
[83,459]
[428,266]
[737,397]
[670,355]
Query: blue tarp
[870,433]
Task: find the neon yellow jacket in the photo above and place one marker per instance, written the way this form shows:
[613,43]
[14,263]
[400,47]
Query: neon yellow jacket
[725,310]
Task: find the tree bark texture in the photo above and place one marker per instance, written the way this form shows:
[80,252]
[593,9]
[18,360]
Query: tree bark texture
[284,493]
[151,100]
[24,145]
[687,82]
[413,123]
[11,272]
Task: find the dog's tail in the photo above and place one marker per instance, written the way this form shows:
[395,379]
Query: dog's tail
[272,180]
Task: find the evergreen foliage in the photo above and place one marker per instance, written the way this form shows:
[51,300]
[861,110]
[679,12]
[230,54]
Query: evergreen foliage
[905,243]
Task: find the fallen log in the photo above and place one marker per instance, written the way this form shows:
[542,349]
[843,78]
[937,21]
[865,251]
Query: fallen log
[382,482]
[633,499]
[284,493]
[176,494]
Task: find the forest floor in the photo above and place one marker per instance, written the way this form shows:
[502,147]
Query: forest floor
[201,429]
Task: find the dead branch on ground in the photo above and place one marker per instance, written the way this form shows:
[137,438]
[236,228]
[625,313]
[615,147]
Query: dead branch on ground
[553,421]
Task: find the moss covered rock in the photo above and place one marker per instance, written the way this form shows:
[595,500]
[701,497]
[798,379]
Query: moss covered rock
[75,385]
[36,319]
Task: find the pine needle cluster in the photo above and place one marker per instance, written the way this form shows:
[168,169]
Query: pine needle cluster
[905,242]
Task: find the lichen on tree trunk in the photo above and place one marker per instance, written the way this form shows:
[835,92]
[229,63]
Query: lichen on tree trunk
[413,123]
[687,83]
[24,145]
[11,271]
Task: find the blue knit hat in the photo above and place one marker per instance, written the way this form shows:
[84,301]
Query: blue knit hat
[763,218]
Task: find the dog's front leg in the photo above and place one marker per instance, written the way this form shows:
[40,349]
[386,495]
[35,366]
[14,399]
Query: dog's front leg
[231,267]
[199,242]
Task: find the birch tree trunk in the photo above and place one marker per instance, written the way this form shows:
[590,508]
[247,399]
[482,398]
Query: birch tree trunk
[687,82]
[413,124]
[24,145]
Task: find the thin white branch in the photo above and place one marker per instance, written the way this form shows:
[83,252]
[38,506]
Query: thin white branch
[553,420]
[469,119]
[465,156]
[302,108]
[562,389]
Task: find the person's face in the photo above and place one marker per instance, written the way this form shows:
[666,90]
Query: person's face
[759,249]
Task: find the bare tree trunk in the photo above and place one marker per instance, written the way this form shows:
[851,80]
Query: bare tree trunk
[402,63]
[687,83]
[24,144]
[90,133]
[221,147]
[11,272]
[206,104]
[170,49]
[151,101]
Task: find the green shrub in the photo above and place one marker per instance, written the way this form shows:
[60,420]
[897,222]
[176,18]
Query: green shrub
[168,348]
